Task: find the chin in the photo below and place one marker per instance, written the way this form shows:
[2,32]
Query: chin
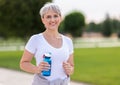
[53,28]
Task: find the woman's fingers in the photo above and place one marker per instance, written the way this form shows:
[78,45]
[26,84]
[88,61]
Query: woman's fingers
[43,66]
[67,67]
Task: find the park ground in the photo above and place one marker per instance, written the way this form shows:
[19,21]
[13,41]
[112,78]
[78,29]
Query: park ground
[12,77]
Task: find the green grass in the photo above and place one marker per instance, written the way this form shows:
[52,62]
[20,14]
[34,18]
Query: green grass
[97,66]
[10,59]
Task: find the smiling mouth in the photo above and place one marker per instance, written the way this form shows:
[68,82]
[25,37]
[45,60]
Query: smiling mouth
[52,24]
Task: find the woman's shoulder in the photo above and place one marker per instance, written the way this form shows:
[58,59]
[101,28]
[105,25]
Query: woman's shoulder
[36,35]
[66,38]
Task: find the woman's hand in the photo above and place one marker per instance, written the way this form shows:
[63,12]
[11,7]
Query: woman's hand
[68,68]
[42,66]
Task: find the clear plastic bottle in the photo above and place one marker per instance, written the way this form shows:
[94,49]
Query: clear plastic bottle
[47,58]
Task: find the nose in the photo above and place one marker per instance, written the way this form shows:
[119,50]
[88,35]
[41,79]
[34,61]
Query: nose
[52,18]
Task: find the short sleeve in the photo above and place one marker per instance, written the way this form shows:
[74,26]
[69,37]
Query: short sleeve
[70,45]
[31,44]
[71,49]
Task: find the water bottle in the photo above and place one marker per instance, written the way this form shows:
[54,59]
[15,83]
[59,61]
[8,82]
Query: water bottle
[47,58]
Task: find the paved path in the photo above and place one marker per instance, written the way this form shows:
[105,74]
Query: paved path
[11,77]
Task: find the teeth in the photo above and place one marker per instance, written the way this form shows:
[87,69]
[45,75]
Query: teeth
[52,24]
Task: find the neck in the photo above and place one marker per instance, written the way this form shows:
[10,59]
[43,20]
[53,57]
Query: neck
[52,34]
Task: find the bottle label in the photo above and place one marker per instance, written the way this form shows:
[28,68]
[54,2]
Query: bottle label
[47,58]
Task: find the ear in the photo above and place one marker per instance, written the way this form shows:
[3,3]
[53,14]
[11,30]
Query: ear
[42,20]
[61,19]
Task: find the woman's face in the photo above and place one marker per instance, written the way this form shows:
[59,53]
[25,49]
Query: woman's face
[51,20]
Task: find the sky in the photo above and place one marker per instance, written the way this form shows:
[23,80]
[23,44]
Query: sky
[93,10]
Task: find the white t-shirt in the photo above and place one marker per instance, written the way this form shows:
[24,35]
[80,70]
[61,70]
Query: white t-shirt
[38,46]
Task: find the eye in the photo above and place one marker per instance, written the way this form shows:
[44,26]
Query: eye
[48,17]
[55,16]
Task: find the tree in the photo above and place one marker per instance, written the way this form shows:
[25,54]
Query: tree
[116,26]
[118,31]
[73,23]
[107,27]
[61,27]
[93,27]
[20,18]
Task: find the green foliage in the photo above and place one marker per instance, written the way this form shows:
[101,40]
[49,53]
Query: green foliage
[116,26]
[93,27]
[20,18]
[61,27]
[74,23]
[107,27]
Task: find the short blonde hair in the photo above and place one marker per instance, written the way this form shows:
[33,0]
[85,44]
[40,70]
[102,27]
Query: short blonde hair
[49,6]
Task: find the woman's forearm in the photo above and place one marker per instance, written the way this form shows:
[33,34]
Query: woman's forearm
[28,67]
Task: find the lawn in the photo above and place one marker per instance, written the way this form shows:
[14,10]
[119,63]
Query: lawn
[10,59]
[97,66]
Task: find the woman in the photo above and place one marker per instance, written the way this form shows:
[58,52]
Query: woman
[50,40]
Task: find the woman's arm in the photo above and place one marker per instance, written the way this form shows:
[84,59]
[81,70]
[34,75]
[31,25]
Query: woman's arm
[26,65]
[69,65]
[25,62]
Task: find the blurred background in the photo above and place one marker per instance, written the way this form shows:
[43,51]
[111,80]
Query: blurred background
[93,25]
